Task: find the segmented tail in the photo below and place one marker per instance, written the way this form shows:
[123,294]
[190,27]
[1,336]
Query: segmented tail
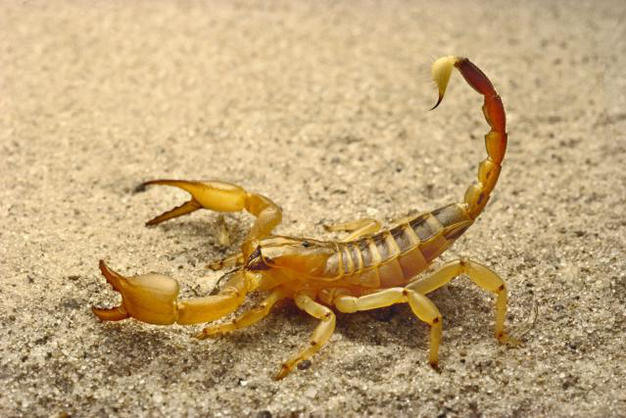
[477,194]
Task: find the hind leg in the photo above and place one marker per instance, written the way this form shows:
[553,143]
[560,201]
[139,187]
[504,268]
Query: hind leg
[479,274]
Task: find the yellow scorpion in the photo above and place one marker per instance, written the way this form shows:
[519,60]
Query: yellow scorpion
[371,268]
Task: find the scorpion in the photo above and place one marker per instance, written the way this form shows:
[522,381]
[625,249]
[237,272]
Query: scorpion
[371,268]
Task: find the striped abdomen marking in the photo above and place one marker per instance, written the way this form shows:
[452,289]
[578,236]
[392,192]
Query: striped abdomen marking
[393,257]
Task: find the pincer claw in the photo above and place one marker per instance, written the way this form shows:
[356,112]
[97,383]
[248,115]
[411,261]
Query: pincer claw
[148,297]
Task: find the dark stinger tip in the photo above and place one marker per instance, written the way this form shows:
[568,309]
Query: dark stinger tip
[437,104]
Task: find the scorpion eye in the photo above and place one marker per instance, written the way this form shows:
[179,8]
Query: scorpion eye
[306,244]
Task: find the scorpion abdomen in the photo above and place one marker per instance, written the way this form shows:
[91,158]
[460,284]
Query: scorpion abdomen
[393,257]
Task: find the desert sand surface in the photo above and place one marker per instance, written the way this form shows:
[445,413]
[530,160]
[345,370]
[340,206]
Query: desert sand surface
[321,106]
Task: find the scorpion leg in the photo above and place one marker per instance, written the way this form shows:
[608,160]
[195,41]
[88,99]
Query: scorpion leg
[229,261]
[479,274]
[357,229]
[224,197]
[246,319]
[421,306]
[152,298]
[319,337]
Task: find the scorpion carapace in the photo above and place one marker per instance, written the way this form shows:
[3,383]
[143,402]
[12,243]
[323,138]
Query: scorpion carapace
[369,269]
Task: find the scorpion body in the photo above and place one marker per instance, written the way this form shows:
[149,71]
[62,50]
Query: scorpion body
[367,270]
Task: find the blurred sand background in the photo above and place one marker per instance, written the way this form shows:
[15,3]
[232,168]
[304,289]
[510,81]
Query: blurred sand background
[321,106]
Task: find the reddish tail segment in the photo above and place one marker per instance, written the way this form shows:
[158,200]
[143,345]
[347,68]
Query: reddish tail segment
[477,195]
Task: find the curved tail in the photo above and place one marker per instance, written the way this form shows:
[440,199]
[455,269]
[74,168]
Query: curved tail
[477,194]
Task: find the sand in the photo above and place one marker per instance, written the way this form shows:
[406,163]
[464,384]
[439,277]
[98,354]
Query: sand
[322,107]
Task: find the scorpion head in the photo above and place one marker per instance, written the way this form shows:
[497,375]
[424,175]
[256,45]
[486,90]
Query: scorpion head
[307,257]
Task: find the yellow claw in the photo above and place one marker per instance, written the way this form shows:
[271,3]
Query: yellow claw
[149,297]
[213,195]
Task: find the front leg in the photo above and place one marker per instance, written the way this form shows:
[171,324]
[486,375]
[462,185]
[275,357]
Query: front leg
[320,336]
[152,298]
[232,260]
[246,319]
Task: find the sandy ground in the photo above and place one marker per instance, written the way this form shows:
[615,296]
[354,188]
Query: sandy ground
[322,108]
